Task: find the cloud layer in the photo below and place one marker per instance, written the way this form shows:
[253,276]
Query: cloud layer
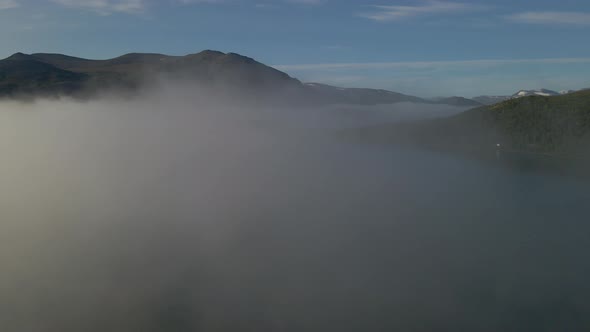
[551,17]
[428,64]
[106,7]
[7,4]
[387,13]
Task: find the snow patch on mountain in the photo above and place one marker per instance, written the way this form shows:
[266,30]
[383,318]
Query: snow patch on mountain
[540,92]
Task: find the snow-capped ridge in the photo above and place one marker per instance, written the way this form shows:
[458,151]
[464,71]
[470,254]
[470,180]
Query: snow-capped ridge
[539,92]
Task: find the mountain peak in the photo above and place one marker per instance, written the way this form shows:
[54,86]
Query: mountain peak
[211,52]
[19,56]
[207,54]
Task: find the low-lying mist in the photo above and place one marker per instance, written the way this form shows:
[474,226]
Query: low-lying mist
[170,212]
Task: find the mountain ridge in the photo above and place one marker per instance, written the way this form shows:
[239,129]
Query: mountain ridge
[59,74]
[54,74]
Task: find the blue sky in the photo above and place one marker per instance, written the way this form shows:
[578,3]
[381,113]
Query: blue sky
[426,48]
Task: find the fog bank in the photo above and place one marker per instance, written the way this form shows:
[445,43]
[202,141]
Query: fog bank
[173,213]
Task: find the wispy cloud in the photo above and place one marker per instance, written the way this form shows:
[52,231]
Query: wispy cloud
[427,64]
[388,13]
[7,4]
[307,2]
[186,2]
[259,5]
[551,17]
[106,7]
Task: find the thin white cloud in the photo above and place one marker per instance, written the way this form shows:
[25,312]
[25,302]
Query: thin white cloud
[8,4]
[390,13]
[551,17]
[106,7]
[307,2]
[186,2]
[268,4]
[427,64]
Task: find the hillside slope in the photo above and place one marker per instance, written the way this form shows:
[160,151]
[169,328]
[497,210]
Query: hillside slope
[22,74]
[556,125]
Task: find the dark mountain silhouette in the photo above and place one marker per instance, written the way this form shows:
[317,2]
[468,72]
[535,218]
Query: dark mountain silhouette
[46,74]
[25,74]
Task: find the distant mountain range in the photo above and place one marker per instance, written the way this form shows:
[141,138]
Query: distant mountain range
[45,74]
[457,101]
[358,96]
[364,96]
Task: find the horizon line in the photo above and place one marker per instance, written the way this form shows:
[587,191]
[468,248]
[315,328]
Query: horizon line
[426,64]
